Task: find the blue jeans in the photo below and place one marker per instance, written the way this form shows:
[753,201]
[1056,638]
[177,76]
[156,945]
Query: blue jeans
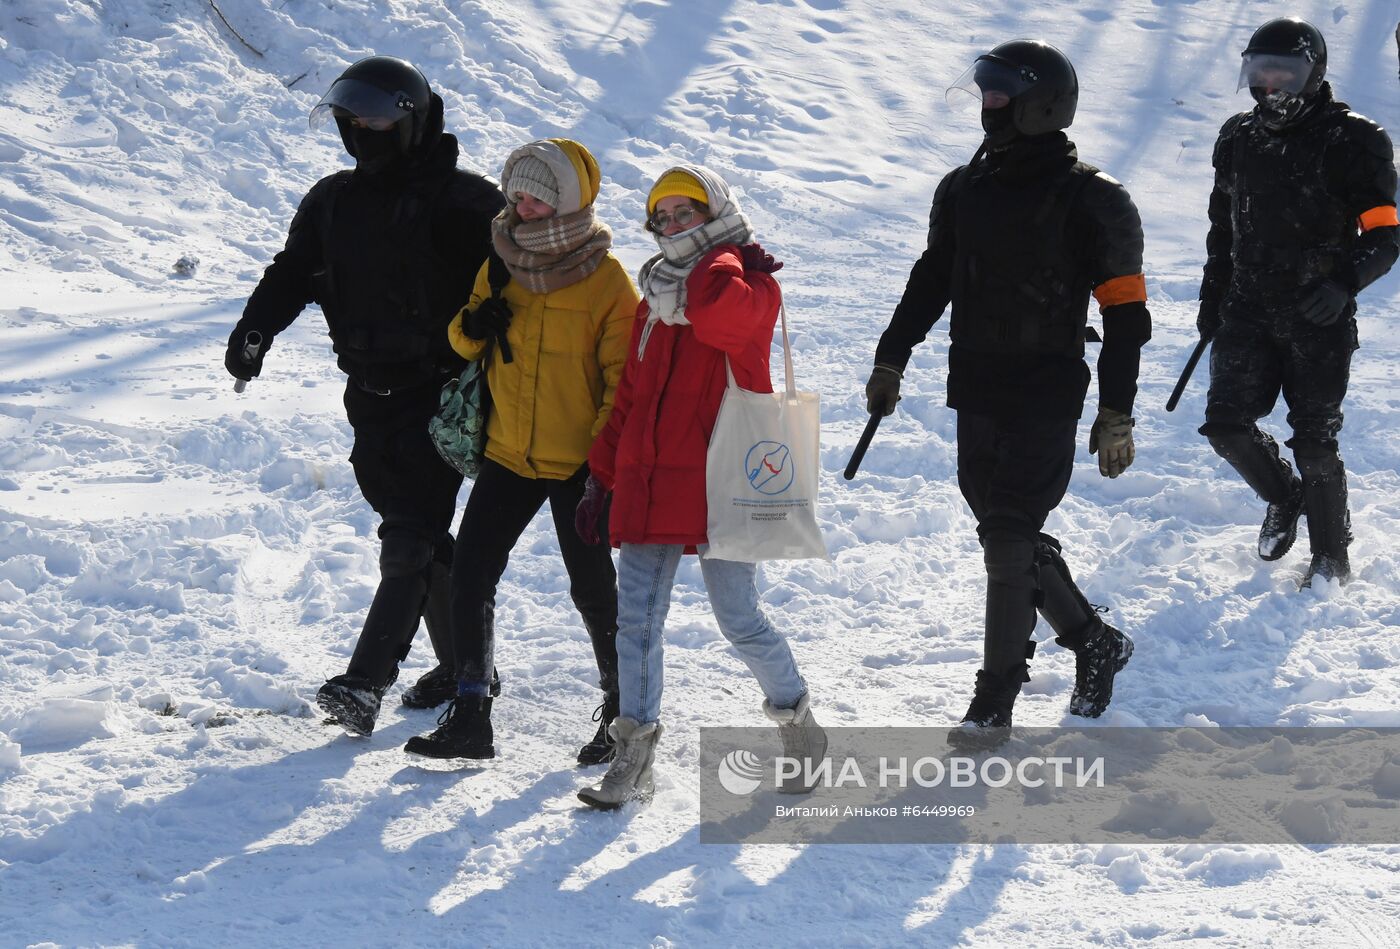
[645,575]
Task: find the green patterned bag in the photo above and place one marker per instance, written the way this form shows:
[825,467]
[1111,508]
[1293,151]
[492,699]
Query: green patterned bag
[458,430]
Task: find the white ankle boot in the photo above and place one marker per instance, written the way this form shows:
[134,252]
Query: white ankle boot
[629,775]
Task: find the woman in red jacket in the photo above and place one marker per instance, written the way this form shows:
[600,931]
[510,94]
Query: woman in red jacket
[709,297]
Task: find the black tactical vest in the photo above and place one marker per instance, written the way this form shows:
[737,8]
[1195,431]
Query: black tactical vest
[1288,227]
[1017,286]
[387,294]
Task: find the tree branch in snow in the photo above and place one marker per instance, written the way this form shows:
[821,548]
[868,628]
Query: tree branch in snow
[215,7]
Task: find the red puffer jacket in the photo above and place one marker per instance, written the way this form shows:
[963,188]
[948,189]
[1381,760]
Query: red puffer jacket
[652,451]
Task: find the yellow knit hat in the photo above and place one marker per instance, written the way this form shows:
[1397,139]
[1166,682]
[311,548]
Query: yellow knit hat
[676,182]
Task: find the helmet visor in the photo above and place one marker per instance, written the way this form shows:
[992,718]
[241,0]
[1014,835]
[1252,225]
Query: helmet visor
[353,99]
[1275,72]
[991,83]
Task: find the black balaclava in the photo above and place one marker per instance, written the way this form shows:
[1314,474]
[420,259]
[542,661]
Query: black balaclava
[1000,125]
[375,151]
[1278,110]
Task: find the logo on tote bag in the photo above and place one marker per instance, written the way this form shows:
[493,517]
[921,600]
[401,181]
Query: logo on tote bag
[769,467]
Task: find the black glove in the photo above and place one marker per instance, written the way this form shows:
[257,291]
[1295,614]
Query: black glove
[490,318]
[882,390]
[1325,304]
[1208,318]
[756,258]
[234,361]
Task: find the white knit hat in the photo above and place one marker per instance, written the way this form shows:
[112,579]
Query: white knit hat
[535,178]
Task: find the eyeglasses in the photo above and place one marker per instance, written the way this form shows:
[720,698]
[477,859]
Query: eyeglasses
[374,124]
[683,215]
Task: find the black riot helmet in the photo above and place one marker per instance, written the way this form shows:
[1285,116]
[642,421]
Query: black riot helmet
[1024,87]
[377,95]
[1289,51]
[1283,67]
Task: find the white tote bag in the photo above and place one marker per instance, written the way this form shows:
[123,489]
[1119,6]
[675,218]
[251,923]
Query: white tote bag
[761,472]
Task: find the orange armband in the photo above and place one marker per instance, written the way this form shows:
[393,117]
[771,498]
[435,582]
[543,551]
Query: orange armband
[1130,289]
[1383,216]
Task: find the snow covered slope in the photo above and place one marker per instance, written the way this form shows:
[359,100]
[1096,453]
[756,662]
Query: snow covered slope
[180,567]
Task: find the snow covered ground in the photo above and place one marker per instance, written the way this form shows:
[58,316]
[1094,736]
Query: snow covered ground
[180,567]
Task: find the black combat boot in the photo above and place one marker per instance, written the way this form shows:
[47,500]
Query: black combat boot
[987,723]
[1096,661]
[1254,454]
[352,701]
[433,687]
[1100,651]
[438,685]
[1329,529]
[1280,526]
[464,731]
[600,749]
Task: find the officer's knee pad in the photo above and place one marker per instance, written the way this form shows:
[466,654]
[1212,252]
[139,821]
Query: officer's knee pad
[1010,560]
[1229,441]
[1317,460]
[404,554]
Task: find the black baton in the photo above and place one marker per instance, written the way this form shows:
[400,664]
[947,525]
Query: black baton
[862,445]
[1186,373]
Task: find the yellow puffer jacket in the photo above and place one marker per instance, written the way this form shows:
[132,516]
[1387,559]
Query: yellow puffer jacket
[569,347]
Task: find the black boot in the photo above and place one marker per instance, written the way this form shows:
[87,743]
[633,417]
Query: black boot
[1254,454]
[1100,651]
[1280,527]
[1096,662]
[600,749]
[1329,531]
[352,701]
[439,685]
[464,731]
[433,687]
[1329,520]
[987,723]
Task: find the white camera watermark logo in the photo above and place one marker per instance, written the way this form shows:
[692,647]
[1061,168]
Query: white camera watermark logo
[740,772]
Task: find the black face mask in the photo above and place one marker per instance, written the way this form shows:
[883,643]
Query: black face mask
[1278,110]
[375,151]
[1000,125]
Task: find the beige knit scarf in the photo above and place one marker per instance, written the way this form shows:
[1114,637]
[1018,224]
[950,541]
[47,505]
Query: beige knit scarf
[556,252]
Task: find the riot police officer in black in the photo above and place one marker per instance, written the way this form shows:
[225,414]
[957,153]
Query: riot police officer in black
[1302,218]
[389,250]
[1019,239]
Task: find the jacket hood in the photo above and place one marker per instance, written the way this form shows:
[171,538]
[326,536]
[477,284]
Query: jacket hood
[574,169]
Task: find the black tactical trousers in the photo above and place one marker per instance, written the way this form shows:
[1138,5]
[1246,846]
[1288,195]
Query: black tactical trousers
[1013,473]
[415,494]
[1256,357]
[500,507]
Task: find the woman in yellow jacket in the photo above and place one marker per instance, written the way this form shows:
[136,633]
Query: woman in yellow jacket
[561,324]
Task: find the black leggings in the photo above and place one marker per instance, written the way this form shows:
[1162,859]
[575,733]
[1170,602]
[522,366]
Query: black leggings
[499,508]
